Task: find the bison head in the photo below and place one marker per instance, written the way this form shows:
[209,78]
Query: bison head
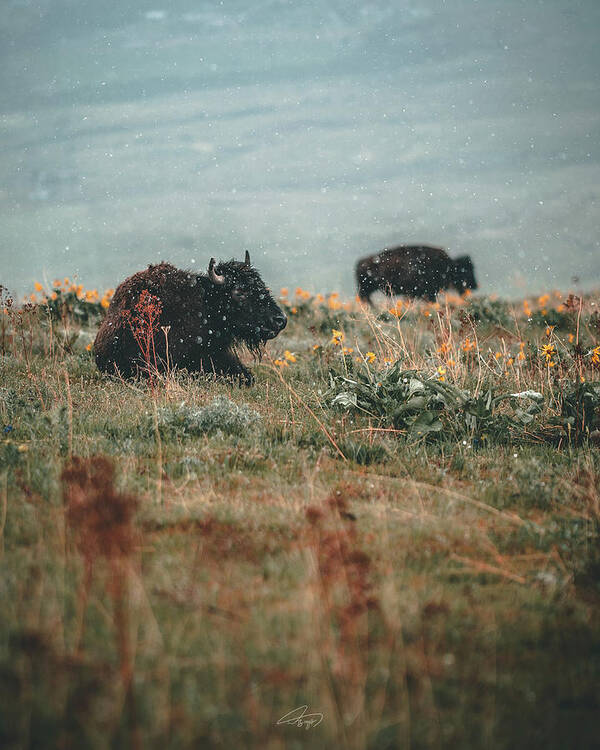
[249,311]
[464,274]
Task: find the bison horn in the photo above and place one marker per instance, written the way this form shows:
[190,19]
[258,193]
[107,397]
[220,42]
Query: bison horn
[214,277]
[247,259]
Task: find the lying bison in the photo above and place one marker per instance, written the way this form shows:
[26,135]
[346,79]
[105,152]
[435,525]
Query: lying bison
[413,270]
[202,317]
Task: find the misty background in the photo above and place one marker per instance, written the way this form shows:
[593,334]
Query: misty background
[309,133]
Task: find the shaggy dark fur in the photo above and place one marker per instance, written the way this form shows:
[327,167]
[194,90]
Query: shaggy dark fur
[208,314]
[413,270]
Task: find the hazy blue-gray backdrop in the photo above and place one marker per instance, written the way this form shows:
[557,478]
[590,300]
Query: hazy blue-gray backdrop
[308,132]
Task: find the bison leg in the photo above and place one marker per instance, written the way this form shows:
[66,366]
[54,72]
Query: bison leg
[227,363]
[115,350]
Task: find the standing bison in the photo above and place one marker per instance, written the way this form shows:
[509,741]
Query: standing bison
[413,270]
[203,317]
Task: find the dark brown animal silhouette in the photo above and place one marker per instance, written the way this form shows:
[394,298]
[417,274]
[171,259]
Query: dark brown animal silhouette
[208,317]
[413,270]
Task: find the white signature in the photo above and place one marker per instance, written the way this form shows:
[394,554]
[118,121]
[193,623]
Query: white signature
[299,718]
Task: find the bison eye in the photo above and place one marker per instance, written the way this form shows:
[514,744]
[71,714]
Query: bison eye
[239,295]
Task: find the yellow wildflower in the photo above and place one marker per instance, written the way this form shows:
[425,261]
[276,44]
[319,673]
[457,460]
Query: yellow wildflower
[57,283]
[370,357]
[281,363]
[548,351]
[289,356]
[105,302]
[454,299]
[38,287]
[337,336]
[54,295]
[284,291]
[333,302]
[89,347]
[347,350]
[302,293]
[571,338]
[316,348]
[293,310]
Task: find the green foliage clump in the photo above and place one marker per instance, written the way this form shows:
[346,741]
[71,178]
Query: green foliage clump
[363,453]
[22,408]
[221,415]
[551,317]
[420,405]
[487,423]
[580,411]
[490,311]
[67,304]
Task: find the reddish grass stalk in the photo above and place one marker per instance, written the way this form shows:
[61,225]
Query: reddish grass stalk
[69,411]
[6,302]
[102,522]
[144,324]
[4,510]
[479,566]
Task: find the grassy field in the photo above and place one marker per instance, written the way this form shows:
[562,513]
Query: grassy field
[397,526]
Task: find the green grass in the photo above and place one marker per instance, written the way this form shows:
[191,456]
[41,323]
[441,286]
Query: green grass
[436,588]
